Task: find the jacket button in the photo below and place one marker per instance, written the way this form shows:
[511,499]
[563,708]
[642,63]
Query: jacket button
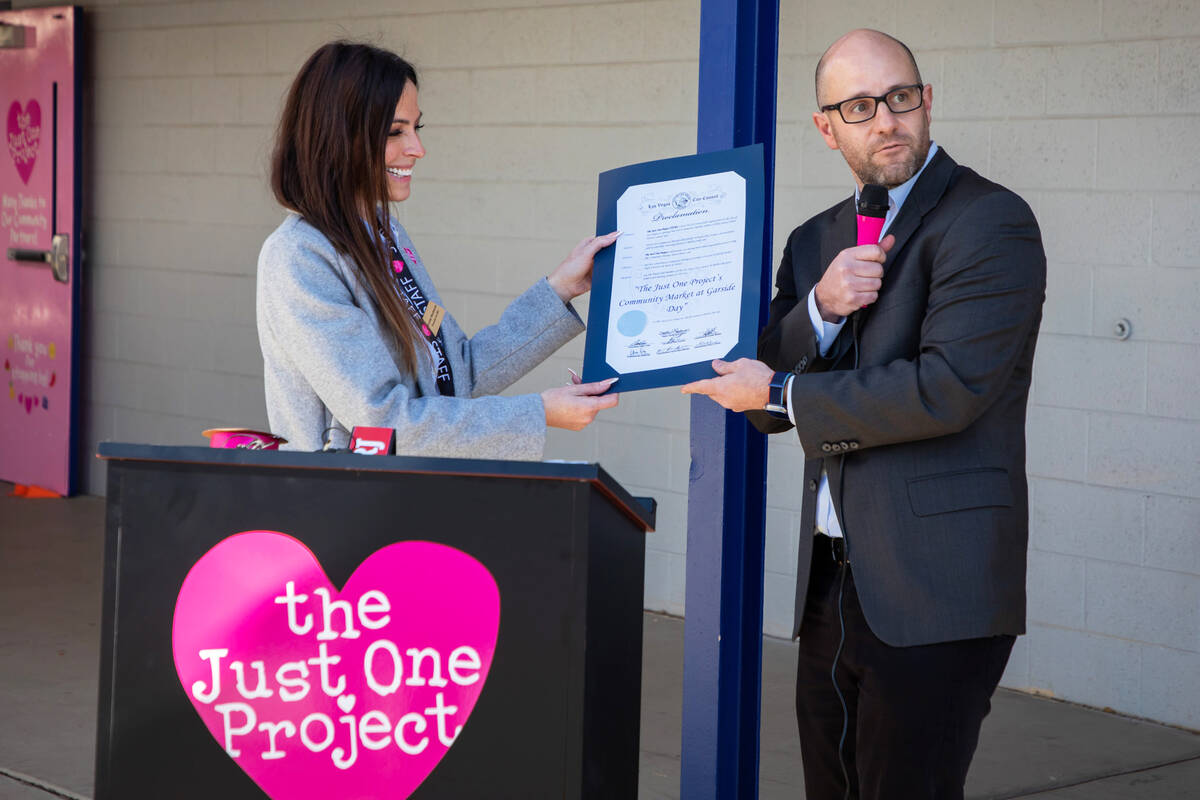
[835,447]
[803,365]
[812,486]
[854,445]
[845,445]
[826,447]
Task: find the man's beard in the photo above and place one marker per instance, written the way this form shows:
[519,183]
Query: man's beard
[896,173]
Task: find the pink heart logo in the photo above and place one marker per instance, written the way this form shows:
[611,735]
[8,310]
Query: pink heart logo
[24,135]
[317,693]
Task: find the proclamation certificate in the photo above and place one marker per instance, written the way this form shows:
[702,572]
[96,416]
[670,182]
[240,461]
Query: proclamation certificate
[677,272]
[681,286]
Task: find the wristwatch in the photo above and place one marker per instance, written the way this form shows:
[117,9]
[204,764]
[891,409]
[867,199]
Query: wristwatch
[777,395]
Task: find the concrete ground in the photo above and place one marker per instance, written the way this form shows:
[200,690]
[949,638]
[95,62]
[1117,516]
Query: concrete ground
[50,573]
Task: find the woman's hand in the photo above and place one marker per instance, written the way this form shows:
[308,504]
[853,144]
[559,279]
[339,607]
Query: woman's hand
[573,276]
[574,406]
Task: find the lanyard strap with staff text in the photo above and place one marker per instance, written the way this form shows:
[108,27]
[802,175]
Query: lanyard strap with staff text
[427,314]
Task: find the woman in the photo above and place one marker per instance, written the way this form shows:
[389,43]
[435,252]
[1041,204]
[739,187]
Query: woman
[348,319]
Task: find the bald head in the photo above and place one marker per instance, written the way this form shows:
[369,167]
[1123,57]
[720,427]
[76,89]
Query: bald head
[854,45]
[889,146]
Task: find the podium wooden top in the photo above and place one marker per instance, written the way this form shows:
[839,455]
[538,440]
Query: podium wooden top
[641,510]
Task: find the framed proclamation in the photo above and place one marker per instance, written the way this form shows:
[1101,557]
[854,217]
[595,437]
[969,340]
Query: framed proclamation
[681,285]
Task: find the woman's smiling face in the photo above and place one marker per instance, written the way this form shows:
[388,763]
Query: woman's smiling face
[403,145]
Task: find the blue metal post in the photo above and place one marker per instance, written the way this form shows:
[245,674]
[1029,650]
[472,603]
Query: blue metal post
[722,671]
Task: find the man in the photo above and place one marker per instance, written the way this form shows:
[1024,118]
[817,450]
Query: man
[904,367]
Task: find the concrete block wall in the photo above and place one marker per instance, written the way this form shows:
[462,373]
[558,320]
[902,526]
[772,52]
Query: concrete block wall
[524,107]
[1084,107]
[524,103]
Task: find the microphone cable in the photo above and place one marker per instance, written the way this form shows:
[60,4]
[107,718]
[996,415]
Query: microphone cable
[844,567]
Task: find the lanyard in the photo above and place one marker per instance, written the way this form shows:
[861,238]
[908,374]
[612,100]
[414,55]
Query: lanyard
[426,314]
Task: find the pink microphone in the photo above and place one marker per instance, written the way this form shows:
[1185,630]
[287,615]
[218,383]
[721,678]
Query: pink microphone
[872,210]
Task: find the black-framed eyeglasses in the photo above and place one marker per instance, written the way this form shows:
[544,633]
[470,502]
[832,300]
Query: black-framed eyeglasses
[861,109]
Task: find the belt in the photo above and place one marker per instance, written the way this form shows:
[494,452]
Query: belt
[833,546]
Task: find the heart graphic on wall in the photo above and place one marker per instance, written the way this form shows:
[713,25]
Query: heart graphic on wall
[319,693]
[24,135]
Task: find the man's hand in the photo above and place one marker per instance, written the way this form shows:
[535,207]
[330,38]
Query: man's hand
[742,385]
[852,280]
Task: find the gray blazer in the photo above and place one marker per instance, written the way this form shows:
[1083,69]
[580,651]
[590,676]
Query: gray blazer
[922,433]
[328,362]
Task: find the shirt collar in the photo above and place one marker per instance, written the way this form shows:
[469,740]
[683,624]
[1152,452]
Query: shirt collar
[899,194]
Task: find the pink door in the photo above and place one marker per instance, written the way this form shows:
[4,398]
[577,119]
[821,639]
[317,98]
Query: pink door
[39,245]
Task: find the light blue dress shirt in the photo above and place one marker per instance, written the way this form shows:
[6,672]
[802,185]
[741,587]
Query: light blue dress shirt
[827,332]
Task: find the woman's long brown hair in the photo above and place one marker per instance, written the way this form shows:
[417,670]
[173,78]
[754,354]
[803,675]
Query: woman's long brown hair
[328,164]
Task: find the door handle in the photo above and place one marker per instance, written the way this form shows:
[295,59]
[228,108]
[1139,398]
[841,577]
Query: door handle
[58,257]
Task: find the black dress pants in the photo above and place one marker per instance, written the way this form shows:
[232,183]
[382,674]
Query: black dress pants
[912,714]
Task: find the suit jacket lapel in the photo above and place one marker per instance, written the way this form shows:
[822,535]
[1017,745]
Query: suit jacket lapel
[923,198]
[841,234]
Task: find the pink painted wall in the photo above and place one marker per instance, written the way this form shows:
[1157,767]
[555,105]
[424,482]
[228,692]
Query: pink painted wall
[36,311]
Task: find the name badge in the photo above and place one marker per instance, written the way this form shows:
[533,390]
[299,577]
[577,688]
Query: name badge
[433,317]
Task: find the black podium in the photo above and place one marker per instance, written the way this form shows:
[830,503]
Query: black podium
[558,715]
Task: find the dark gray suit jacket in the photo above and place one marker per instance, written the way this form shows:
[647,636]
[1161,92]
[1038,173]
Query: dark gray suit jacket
[918,411]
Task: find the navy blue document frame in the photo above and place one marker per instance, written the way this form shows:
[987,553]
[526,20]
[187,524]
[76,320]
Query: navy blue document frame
[746,162]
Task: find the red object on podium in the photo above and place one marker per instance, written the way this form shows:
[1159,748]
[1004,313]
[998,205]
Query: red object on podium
[29,491]
[373,441]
